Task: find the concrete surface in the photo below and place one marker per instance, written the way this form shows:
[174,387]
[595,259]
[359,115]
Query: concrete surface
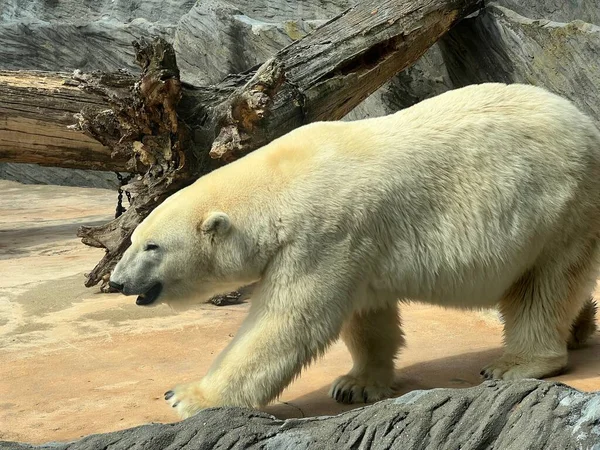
[74,361]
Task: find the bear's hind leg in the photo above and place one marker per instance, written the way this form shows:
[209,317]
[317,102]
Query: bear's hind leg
[373,338]
[539,312]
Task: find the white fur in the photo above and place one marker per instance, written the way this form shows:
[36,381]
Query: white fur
[482,196]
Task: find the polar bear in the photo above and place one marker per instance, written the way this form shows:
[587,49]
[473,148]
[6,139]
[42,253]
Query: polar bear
[484,196]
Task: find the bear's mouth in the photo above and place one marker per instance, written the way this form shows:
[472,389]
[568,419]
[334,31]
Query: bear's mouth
[150,296]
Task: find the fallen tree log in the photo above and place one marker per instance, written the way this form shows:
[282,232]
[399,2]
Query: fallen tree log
[36,109]
[170,133]
[527,414]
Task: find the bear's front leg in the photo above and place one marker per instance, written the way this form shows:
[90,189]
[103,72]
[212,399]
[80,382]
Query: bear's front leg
[275,342]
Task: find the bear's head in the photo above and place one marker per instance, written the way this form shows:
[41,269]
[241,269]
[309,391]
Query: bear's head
[184,253]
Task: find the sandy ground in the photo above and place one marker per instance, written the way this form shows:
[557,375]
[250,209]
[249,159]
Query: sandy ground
[74,361]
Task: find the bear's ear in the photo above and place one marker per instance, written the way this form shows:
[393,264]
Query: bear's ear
[216,223]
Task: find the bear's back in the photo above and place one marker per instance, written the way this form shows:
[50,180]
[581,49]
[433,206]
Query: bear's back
[485,170]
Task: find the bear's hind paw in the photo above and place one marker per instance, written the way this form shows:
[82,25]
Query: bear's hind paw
[510,367]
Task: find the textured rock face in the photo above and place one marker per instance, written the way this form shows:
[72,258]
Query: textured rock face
[525,415]
[85,11]
[86,35]
[556,10]
[216,38]
[501,45]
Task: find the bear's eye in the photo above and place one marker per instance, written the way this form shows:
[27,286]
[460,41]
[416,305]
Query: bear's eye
[150,246]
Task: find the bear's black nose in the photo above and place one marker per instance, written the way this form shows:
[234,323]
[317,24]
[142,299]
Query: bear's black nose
[117,286]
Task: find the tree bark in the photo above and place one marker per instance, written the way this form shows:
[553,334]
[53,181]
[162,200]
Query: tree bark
[171,133]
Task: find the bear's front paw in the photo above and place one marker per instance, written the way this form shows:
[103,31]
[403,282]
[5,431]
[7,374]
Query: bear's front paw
[510,367]
[351,389]
[188,399]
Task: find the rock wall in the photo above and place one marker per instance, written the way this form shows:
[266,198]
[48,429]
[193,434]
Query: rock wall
[501,45]
[553,43]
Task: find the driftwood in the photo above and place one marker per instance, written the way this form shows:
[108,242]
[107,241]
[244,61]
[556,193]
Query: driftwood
[171,133]
[526,414]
